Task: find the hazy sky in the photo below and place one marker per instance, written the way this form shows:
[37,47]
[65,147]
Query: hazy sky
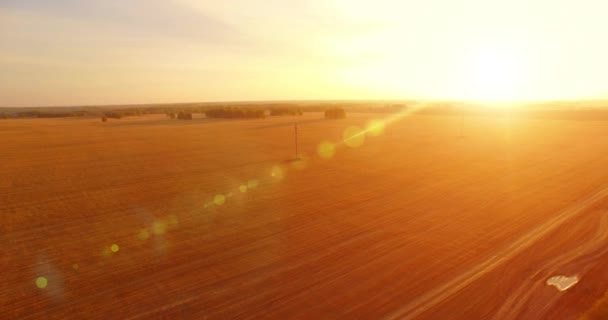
[73,52]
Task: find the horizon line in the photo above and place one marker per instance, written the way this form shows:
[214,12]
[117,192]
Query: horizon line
[258,101]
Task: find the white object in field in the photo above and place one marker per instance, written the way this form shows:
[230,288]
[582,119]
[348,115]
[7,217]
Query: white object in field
[562,283]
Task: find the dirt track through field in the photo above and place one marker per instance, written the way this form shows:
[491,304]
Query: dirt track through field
[439,294]
[527,303]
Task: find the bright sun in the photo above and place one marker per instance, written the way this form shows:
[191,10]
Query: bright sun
[493,73]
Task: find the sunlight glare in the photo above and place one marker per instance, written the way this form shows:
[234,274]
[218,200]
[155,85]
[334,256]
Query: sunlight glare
[494,73]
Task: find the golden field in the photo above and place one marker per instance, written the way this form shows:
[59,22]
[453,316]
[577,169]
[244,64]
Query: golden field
[147,217]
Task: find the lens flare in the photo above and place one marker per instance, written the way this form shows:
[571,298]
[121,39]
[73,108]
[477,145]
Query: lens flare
[143,234]
[219,199]
[354,136]
[277,172]
[375,128]
[159,228]
[41,282]
[326,150]
[252,184]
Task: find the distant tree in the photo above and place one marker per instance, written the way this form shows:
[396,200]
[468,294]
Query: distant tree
[113,114]
[182,115]
[335,113]
[104,119]
[171,115]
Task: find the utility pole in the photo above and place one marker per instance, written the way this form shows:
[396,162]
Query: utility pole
[295,127]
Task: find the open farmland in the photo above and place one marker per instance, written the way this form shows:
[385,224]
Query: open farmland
[148,217]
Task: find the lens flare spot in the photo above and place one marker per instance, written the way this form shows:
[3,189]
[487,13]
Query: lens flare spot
[354,137]
[375,128]
[326,150]
[243,188]
[159,228]
[277,172]
[41,282]
[219,199]
[251,184]
[106,252]
[114,248]
[143,234]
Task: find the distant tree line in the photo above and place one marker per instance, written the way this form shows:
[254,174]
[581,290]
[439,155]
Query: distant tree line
[42,114]
[113,114]
[235,113]
[286,111]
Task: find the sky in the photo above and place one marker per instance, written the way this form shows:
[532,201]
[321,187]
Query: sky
[75,52]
